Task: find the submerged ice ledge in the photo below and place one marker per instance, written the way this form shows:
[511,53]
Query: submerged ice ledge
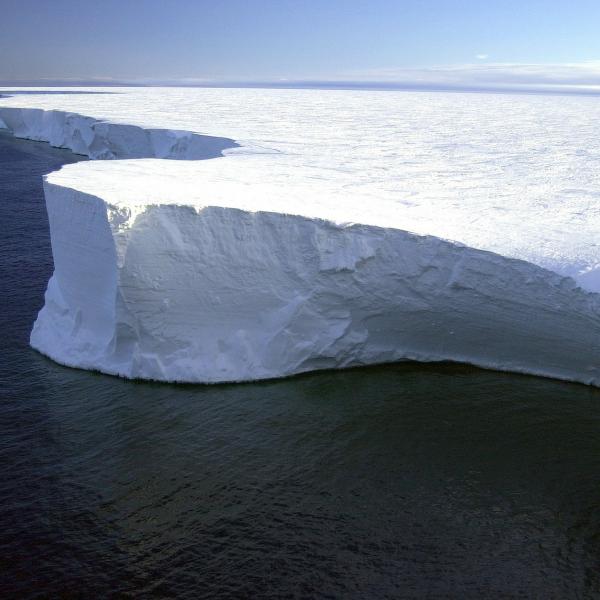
[216,290]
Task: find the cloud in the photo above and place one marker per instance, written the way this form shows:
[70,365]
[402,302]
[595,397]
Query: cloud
[581,74]
[576,77]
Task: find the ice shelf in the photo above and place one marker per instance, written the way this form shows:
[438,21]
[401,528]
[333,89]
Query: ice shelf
[258,265]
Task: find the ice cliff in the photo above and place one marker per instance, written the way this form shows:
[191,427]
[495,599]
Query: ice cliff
[104,140]
[199,272]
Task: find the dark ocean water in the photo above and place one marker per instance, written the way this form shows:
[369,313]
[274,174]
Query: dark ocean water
[391,482]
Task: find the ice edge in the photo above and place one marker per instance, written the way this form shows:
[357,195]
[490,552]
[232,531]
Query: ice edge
[99,139]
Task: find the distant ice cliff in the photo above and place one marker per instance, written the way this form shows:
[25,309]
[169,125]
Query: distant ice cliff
[104,140]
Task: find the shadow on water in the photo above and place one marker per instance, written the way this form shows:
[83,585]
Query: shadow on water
[397,481]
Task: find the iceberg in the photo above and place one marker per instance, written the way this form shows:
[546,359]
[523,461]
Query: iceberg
[242,268]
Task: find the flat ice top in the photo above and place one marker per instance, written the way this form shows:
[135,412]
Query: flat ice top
[517,175]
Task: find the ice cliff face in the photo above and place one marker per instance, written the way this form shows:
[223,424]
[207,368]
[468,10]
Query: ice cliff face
[232,270]
[186,292]
[103,140]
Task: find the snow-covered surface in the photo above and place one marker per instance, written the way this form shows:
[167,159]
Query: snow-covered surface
[245,266]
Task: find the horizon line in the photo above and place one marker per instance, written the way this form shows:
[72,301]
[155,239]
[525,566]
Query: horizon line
[375,85]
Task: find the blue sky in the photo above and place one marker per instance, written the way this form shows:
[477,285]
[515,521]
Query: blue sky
[460,41]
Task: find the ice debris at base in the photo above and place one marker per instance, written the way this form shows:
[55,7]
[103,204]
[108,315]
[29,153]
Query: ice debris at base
[243,268]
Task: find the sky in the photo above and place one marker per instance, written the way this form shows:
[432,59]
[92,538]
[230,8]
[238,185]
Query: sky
[428,42]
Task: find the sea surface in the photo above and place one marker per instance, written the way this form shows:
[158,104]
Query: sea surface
[404,481]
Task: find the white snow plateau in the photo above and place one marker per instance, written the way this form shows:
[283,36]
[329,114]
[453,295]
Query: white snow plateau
[307,229]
